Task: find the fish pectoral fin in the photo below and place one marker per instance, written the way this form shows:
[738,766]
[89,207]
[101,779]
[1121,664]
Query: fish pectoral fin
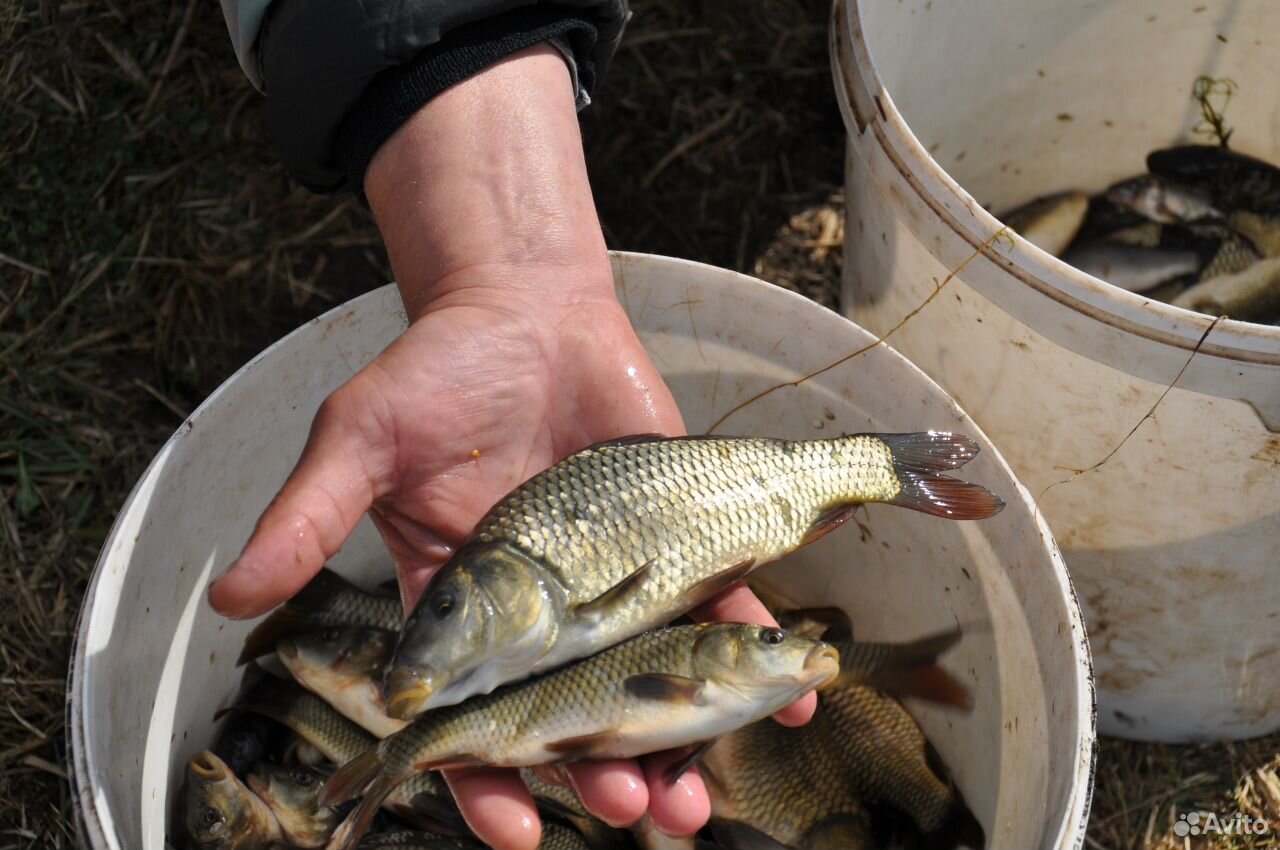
[680,768]
[828,521]
[581,746]
[666,687]
[736,835]
[615,596]
[450,762]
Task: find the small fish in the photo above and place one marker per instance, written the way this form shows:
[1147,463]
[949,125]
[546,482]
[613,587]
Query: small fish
[660,690]
[327,600]
[1233,180]
[627,535]
[1131,267]
[1252,295]
[293,795]
[424,800]
[1049,222]
[220,813]
[343,665]
[1163,200]
[1233,254]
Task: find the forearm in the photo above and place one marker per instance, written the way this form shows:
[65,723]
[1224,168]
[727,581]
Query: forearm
[486,180]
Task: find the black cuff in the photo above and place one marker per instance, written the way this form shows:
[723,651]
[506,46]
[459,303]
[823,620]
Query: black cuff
[397,93]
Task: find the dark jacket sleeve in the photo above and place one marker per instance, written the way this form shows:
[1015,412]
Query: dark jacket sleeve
[341,76]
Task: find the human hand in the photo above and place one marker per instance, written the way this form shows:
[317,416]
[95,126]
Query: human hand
[517,355]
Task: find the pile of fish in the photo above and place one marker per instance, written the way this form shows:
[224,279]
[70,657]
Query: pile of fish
[1200,230]
[556,633]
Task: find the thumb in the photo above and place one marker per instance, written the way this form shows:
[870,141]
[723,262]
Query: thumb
[306,524]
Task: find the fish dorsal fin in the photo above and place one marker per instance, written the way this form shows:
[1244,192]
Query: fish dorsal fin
[629,440]
[680,768]
[736,835]
[595,609]
[581,746]
[828,521]
[666,687]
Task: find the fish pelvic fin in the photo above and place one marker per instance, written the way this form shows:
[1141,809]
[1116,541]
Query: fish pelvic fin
[363,773]
[353,777]
[918,461]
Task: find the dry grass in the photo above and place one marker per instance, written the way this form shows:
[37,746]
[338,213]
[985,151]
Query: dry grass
[149,243]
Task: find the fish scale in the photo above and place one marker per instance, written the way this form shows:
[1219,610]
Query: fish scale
[767,495]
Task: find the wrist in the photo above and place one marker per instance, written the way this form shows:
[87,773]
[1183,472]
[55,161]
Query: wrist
[486,187]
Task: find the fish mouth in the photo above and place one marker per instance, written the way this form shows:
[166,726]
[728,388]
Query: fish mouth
[408,692]
[207,766]
[825,660]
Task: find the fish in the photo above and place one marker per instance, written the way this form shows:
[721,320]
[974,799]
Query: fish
[424,800]
[627,535]
[326,600]
[659,690]
[242,742]
[861,750]
[220,813]
[343,665]
[1262,231]
[1234,181]
[1252,295]
[1049,222]
[1163,200]
[1132,267]
[293,796]
[1233,254]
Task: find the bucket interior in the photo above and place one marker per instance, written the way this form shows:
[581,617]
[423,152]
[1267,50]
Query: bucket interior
[1019,99]
[153,662]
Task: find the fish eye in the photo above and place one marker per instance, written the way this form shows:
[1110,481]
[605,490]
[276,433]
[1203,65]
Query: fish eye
[301,777]
[210,818]
[773,637]
[442,604]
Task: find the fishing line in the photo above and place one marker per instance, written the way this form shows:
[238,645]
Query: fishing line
[1076,473]
[1002,233]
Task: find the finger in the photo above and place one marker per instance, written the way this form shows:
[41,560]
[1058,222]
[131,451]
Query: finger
[737,604]
[417,552]
[497,806]
[678,808]
[613,791]
[305,525]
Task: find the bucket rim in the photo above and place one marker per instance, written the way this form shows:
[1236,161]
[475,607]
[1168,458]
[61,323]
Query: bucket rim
[866,104]
[95,822]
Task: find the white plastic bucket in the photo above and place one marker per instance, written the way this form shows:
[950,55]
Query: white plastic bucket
[1174,543]
[152,661]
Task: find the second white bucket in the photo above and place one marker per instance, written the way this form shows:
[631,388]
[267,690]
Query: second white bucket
[1174,542]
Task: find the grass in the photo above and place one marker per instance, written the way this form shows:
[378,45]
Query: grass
[150,243]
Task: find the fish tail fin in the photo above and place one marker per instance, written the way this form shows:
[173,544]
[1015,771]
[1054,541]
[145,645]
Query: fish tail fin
[294,615]
[918,461]
[905,669]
